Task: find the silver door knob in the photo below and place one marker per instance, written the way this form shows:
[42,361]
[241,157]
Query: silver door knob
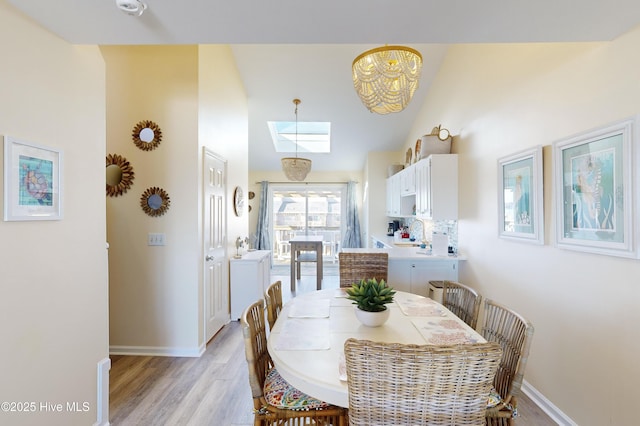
[208,258]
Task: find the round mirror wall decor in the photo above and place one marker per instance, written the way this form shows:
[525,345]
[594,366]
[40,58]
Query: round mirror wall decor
[155,201]
[238,201]
[147,135]
[119,175]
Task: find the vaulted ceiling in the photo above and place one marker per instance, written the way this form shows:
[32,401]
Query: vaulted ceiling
[288,49]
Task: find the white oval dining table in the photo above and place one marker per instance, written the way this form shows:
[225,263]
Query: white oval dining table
[307,341]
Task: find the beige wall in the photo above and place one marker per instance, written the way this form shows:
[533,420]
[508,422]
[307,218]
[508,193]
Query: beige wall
[154,290]
[53,303]
[224,126]
[497,100]
[195,96]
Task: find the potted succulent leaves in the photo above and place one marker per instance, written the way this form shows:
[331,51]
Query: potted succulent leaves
[370,298]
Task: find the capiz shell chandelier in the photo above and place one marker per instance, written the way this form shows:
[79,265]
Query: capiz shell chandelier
[386,78]
[296,168]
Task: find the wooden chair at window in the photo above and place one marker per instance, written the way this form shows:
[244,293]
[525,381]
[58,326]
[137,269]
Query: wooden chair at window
[273,297]
[514,334]
[354,267]
[275,402]
[462,300]
[403,384]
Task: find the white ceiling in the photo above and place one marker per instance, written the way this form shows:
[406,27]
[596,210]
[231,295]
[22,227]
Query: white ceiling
[288,49]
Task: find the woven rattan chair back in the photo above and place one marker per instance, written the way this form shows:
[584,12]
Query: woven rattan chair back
[514,334]
[255,345]
[259,363]
[357,266]
[273,296]
[396,384]
[462,300]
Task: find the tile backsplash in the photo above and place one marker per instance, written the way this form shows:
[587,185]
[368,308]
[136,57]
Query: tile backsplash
[449,227]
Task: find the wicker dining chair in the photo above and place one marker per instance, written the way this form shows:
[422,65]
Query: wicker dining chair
[462,300]
[404,384]
[514,334]
[275,402]
[357,266]
[273,297]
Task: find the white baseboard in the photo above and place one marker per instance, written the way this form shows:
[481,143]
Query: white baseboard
[157,351]
[546,405]
[102,400]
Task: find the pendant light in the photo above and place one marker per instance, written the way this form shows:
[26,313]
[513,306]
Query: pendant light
[385,78]
[296,168]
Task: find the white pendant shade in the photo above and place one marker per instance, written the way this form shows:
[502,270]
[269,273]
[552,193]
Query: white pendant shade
[296,168]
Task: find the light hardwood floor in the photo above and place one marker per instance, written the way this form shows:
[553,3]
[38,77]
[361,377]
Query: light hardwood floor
[213,389]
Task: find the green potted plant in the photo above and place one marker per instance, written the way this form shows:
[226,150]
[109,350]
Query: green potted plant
[371,298]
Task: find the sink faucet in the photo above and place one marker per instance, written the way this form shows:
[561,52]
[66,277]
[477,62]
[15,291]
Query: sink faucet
[424,229]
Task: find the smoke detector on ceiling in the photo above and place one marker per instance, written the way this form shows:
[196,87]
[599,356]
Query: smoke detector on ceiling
[132,7]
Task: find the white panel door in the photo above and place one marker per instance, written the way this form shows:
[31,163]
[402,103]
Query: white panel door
[216,288]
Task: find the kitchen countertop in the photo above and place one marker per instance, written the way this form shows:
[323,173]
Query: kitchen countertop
[392,242]
[413,253]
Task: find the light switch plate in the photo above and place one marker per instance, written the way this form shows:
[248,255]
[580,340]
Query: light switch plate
[155,240]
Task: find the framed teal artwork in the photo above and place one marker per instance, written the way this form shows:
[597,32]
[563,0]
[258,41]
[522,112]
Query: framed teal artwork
[520,196]
[32,181]
[593,190]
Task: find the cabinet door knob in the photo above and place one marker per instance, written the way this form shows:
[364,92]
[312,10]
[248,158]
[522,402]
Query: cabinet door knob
[208,258]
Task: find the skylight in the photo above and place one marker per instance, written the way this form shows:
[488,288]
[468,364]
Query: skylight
[313,136]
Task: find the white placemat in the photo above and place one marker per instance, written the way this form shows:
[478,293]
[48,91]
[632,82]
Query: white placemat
[341,292]
[421,307]
[342,367]
[310,308]
[445,331]
[304,334]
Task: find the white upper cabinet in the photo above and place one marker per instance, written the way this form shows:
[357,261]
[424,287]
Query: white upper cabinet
[437,187]
[393,195]
[430,186]
[408,181]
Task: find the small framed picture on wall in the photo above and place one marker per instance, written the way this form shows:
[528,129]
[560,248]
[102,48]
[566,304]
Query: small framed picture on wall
[32,181]
[520,196]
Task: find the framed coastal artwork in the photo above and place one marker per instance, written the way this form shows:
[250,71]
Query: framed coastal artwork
[593,190]
[520,196]
[32,181]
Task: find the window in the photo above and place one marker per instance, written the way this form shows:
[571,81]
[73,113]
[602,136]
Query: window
[303,209]
[312,136]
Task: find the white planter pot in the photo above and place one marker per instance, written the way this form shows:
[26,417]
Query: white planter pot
[372,319]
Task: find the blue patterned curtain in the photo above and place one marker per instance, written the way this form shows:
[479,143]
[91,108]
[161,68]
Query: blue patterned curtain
[352,235]
[263,241]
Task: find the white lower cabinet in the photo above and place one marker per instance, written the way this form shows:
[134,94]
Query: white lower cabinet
[248,278]
[413,276]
